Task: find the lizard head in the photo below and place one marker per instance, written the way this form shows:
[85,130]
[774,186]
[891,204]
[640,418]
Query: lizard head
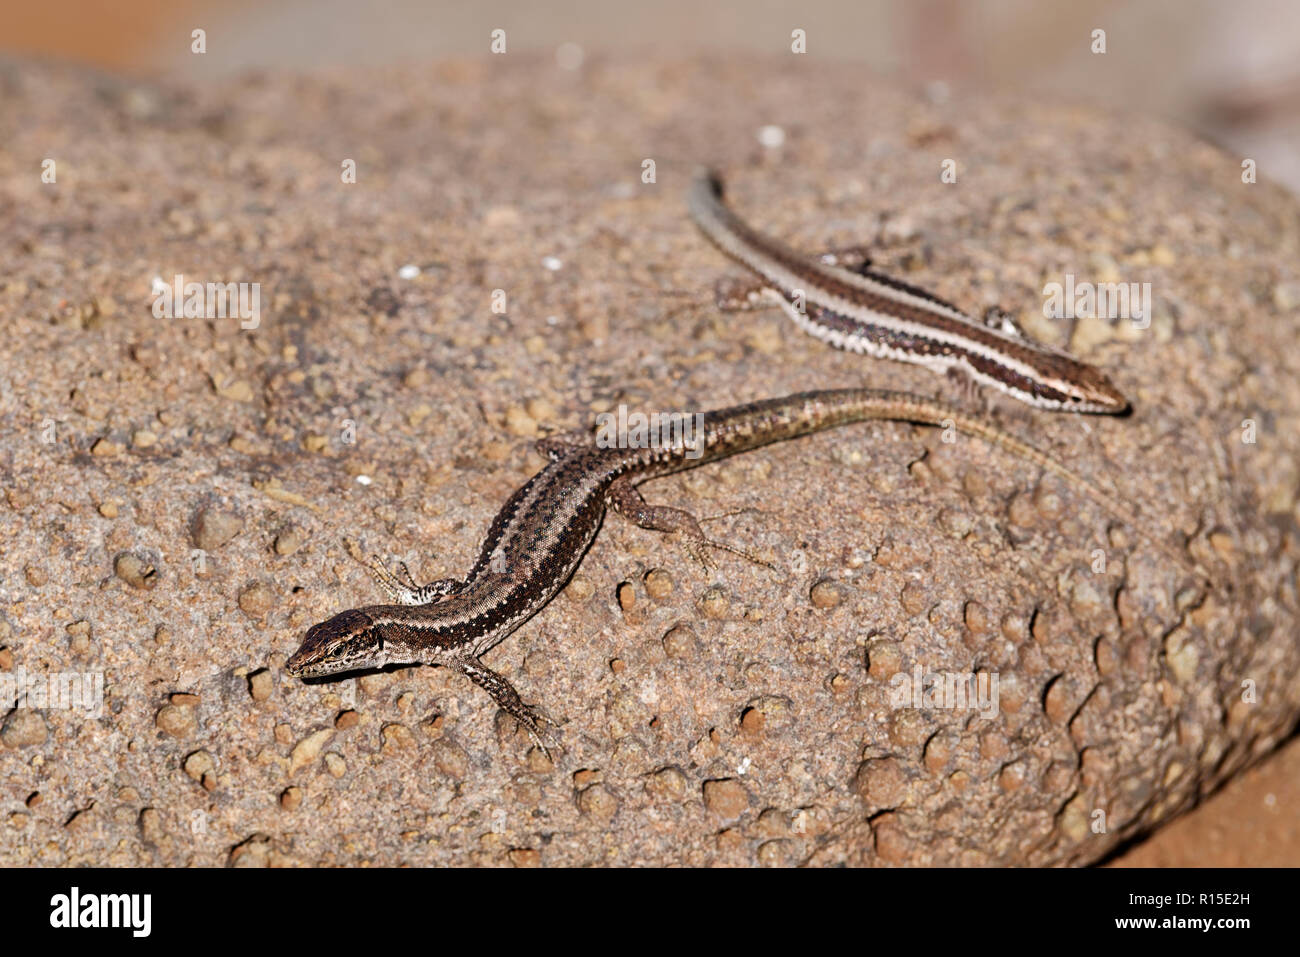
[1088,389]
[349,641]
[1060,382]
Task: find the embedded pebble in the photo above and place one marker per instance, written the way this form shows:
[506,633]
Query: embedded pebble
[212,528]
[626,597]
[1012,692]
[525,857]
[909,728]
[772,822]
[771,712]
[1012,776]
[892,842]
[151,826]
[580,589]
[726,798]
[200,766]
[884,659]
[24,728]
[666,784]
[1058,703]
[1074,819]
[135,571]
[177,720]
[714,603]
[540,409]
[781,852]
[1182,656]
[1105,657]
[681,642]
[825,594]
[994,745]
[289,540]
[1049,504]
[658,583]
[914,598]
[83,823]
[881,783]
[1286,295]
[1022,511]
[938,752]
[978,619]
[308,749]
[450,759]
[598,803]
[518,422]
[260,684]
[239,390]
[956,522]
[79,638]
[900,556]
[256,599]
[1090,332]
[396,738]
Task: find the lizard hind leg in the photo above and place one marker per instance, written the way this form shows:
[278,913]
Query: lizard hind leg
[741,294]
[624,498]
[856,259]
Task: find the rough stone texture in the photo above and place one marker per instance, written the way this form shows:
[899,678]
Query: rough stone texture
[740,716]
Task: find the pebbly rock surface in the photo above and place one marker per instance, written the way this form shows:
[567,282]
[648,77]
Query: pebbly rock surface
[184,496]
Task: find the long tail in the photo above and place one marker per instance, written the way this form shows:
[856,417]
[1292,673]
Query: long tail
[733,430]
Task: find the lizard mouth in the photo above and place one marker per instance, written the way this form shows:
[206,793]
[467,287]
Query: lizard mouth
[297,665]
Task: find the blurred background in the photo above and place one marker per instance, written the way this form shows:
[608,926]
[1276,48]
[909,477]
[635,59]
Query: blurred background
[1230,70]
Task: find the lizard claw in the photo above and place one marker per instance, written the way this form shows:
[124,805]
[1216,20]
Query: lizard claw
[539,726]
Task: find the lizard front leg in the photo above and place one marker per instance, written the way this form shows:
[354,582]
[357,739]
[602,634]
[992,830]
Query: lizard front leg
[401,589]
[531,718]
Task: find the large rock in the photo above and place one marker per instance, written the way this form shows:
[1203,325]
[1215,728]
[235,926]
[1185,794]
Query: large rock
[181,496]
